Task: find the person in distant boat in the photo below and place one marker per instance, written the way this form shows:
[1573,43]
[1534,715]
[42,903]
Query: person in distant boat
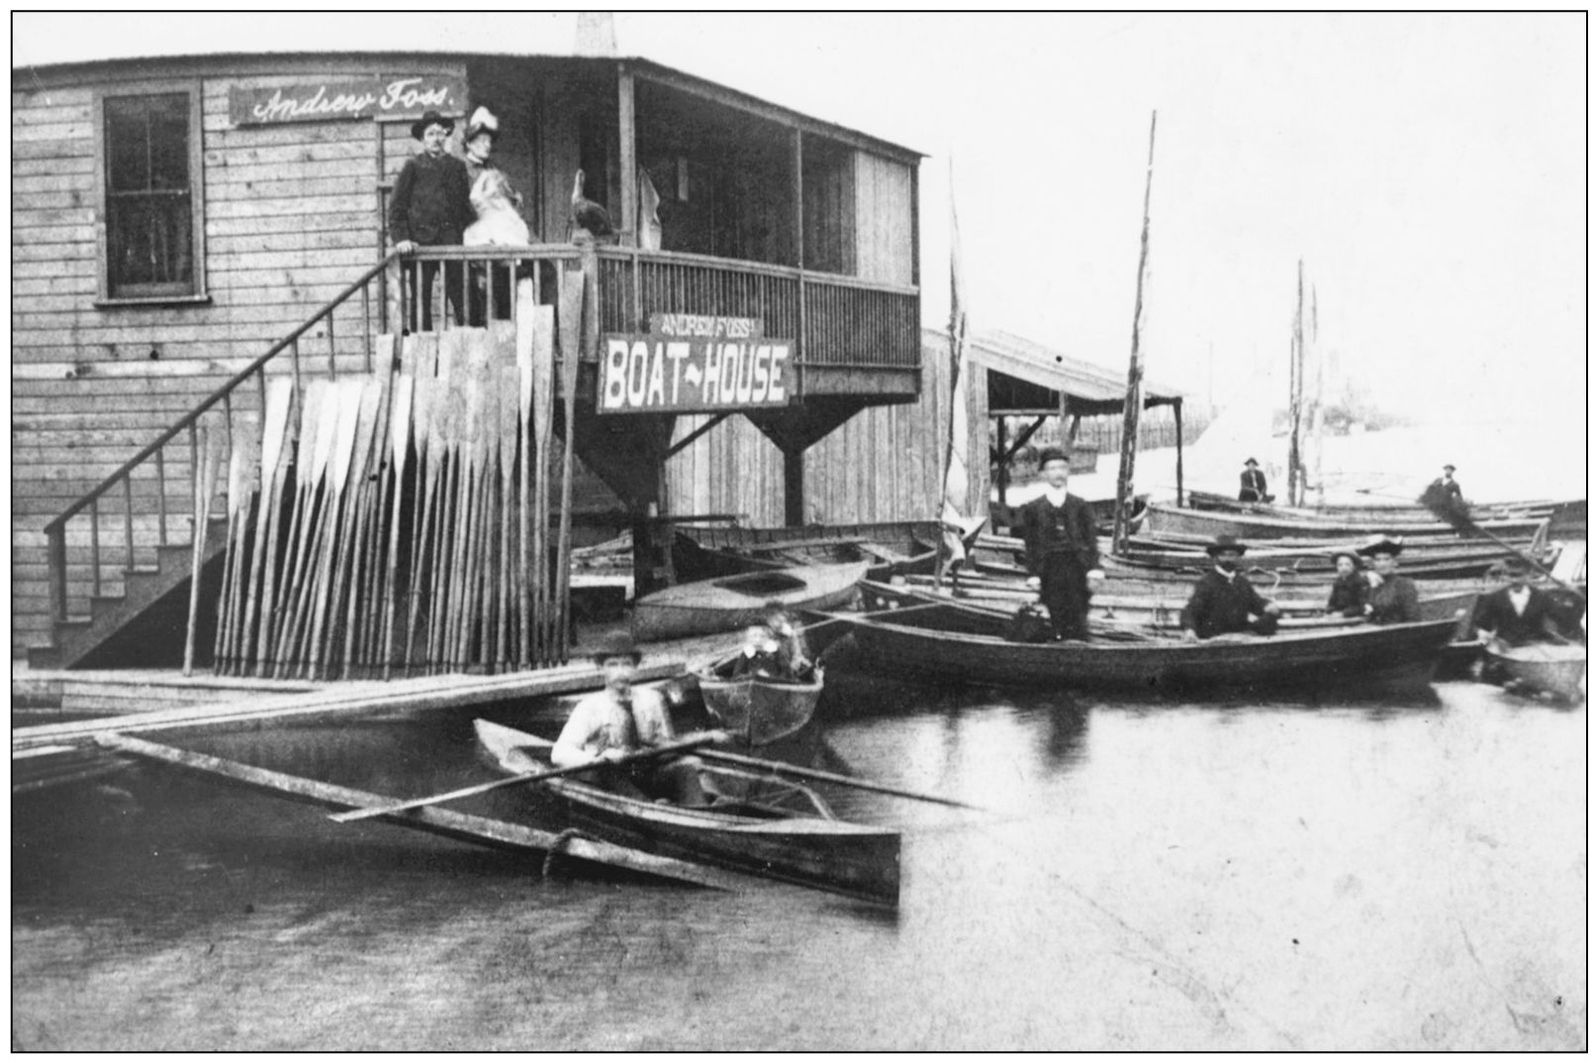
[1517,614]
[1060,536]
[1223,601]
[1393,598]
[792,648]
[622,719]
[1349,595]
[431,205]
[1254,485]
[760,656]
[1452,491]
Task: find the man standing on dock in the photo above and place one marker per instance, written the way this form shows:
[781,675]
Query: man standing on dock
[1223,601]
[1061,549]
[431,205]
[620,720]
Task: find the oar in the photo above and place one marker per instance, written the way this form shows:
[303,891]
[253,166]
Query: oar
[1436,501]
[776,767]
[529,777]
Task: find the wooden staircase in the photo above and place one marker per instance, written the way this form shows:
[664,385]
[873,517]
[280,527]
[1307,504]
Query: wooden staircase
[111,617]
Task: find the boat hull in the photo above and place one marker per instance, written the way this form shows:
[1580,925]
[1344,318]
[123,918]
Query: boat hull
[1551,669]
[1173,520]
[731,602]
[760,711]
[887,548]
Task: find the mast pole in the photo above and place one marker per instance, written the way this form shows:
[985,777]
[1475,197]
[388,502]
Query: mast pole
[1132,391]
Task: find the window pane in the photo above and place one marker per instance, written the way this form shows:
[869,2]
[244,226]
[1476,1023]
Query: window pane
[126,149]
[148,210]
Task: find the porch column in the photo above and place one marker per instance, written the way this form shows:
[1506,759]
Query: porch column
[628,156]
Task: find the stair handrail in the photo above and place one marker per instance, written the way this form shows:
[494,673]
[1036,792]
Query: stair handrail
[55,530]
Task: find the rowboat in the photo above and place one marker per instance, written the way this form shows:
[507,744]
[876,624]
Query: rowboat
[1369,511]
[1543,666]
[703,607]
[955,641]
[1162,519]
[757,709]
[887,548]
[771,827]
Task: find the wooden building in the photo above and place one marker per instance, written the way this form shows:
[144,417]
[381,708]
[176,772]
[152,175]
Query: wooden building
[185,231]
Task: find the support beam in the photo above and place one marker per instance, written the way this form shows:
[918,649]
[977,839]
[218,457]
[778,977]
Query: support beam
[792,472]
[627,106]
[1179,452]
[695,435]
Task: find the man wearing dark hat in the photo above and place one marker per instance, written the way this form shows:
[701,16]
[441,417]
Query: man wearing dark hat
[621,719]
[1224,601]
[1348,596]
[1449,489]
[1517,613]
[1061,548]
[431,206]
[1393,598]
[1254,485]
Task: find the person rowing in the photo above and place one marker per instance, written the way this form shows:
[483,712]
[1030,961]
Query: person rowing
[621,720]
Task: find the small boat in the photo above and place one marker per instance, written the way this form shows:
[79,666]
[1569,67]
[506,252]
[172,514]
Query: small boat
[955,641]
[1543,666]
[888,548]
[760,710]
[730,602]
[1374,511]
[1162,519]
[770,827]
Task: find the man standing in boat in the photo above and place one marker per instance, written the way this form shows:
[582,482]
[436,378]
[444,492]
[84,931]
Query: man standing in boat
[1223,601]
[620,720]
[1254,485]
[1061,549]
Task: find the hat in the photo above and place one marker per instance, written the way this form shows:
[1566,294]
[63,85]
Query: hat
[617,646]
[1336,555]
[1052,454]
[1516,564]
[1449,468]
[1380,544]
[482,121]
[1251,461]
[1225,542]
[431,118]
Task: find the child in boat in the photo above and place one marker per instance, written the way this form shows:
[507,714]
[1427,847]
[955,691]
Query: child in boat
[621,719]
[1349,595]
[760,656]
[792,650]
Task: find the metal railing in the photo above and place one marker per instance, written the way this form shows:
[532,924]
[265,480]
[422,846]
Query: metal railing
[837,321]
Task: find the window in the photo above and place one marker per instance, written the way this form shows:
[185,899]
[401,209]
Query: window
[153,247]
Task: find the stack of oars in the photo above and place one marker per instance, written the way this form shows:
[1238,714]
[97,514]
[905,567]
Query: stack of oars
[404,520]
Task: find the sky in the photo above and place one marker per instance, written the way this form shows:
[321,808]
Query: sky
[1427,169]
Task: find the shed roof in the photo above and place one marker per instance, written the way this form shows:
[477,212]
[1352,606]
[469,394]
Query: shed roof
[1090,389]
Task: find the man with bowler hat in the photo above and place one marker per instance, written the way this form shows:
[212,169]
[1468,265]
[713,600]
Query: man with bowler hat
[1224,601]
[1060,536]
[431,206]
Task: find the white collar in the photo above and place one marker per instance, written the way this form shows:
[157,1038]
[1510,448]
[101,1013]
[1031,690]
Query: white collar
[1056,495]
[1227,574]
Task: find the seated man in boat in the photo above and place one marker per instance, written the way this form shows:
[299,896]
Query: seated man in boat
[1254,485]
[1224,601]
[1349,595]
[1517,614]
[621,719]
[1393,598]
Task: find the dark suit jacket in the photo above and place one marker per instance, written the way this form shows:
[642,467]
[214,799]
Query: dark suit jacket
[1254,485]
[1219,606]
[1070,530]
[431,201]
[1495,613]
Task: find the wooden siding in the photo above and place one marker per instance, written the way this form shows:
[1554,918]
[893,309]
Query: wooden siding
[885,191]
[290,219]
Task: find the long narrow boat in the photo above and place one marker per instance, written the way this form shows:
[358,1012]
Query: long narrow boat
[953,641]
[1162,519]
[758,710]
[1541,666]
[888,548]
[774,828]
[703,607]
[1369,511]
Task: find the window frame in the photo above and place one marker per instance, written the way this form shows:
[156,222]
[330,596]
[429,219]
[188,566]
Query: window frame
[193,88]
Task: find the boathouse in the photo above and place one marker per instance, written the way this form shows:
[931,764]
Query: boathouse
[208,344]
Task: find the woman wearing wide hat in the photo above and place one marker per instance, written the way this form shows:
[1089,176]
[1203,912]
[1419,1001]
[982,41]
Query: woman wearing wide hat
[1394,597]
[431,206]
[1349,594]
[1223,601]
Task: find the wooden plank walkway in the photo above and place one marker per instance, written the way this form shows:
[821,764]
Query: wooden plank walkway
[458,825]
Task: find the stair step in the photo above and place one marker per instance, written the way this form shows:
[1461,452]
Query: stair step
[100,601]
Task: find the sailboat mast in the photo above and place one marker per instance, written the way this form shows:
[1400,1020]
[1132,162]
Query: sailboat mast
[1294,484]
[1132,391]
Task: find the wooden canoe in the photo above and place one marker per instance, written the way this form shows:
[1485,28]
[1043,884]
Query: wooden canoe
[730,602]
[1543,666]
[1536,509]
[766,830]
[888,548]
[1164,519]
[758,710]
[953,641]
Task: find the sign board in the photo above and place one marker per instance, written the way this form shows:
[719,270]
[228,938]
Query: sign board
[666,374]
[335,99]
[706,327]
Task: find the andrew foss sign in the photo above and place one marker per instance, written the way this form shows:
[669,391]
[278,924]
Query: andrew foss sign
[330,99]
[692,364]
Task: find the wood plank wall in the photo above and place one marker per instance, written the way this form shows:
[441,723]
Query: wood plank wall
[885,197]
[290,220]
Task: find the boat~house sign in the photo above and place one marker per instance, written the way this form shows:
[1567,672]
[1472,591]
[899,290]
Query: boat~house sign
[331,99]
[710,365]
